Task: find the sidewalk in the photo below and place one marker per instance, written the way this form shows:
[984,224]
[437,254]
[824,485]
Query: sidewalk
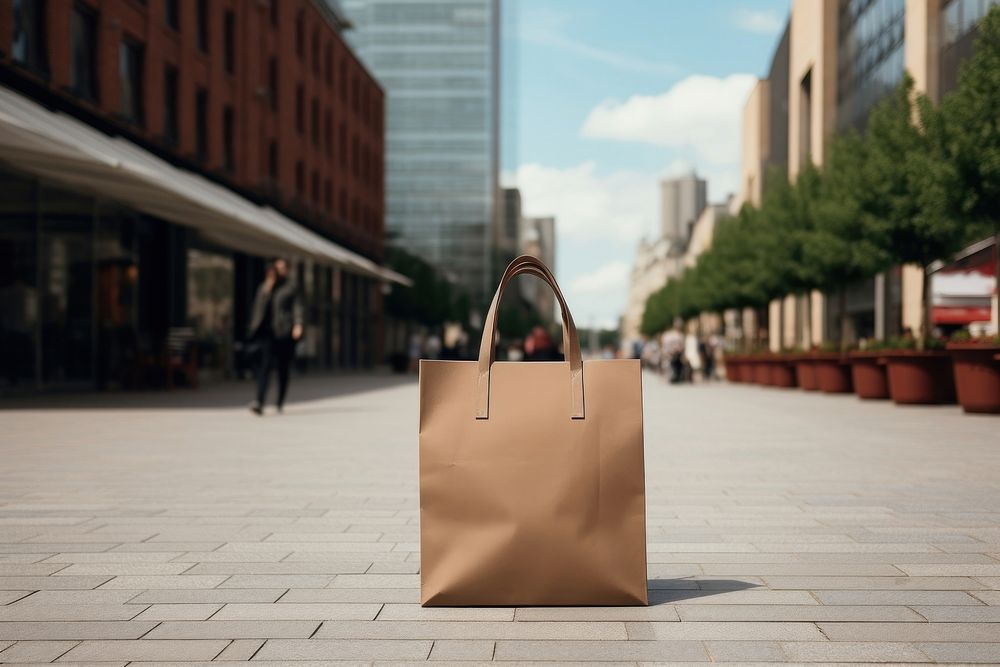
[783,526]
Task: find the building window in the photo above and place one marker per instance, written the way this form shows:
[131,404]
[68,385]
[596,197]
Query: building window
[272,161]
[228,139]
[272,83]
[300,179]
[130,88]
[314,121]
[170,92]
[343,80]
[300,111]
[315,52]
[172,13]
[354,156]
[343,145]
[328,196]
[84,50]
[300,34]
[805,119]
[343,204]
[229,41]
[328,65]
[201,124]
[274,13]
[315,187]
[328,132]
[201,27]
[355,95]
[28,44]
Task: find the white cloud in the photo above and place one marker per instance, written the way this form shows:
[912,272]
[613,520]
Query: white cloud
[701,115]
[608,278]
[616,208]
[767,21]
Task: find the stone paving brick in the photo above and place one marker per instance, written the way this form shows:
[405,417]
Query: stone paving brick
[337,649]
[791,569]
[178,612]
[169,582]
[118,569]
[24,630]
[907,597]
[810,613]
[376,581]
[945,570]
[585,651]
[68,612]
[414,612]
[42,651]
[296,568]
[213,629]
[275,581]
[731,631]
[906,632]
[115,557]
[873,583]
[31,569]
[241,649]
[99,596]
[663,612]
[230,557]
[745,651]
[852,652]
[471,630]
[960,614]
[989,597]
[377,595]
[51,583]
[960,652]
[462,649]
[146,650]
[7,597]
[298,611]
[208,596]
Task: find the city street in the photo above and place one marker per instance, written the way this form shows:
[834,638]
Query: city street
[782,526]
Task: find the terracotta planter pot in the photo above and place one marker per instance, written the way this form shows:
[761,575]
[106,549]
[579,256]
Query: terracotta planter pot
[762,371]
[868,374]
[732,365]
[920,378]
[805,373]
[833,374]
[783,373]
[745,370]
[977,376]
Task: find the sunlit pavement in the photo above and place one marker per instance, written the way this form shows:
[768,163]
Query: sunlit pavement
[782,526]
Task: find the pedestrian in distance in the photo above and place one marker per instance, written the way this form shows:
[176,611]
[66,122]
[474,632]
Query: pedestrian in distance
[276,326]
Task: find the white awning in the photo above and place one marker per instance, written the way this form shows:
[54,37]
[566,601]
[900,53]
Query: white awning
[59,147]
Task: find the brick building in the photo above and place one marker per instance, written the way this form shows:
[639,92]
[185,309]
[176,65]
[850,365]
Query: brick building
[153,153]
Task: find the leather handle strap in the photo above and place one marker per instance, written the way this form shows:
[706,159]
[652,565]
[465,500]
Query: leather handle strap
[571,342]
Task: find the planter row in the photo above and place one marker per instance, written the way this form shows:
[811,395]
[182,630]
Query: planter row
[967,372]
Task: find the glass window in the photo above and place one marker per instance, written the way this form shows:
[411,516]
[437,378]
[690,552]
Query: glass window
[300,178]
[328,132]
[210,290]
[329,64]
[272,160]
[274,13]
[272,82]
[28,41]
[201,25]
[172,13]
[83,35]
[300,34]
[951,25]
[130,80]
[229,41]
[315,52]
[315,187]
[315,121]
[170,95]
[18,279]
[228,139]
[201,124]
[300,111]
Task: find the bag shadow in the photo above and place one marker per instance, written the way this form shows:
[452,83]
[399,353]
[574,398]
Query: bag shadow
[670,591]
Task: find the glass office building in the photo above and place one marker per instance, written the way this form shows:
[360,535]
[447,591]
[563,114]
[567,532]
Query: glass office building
[438,62]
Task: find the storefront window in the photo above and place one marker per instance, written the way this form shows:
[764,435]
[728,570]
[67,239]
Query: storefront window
[18,281]
[210,306]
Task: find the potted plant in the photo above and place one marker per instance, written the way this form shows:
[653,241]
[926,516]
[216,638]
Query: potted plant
[833,373]
[976,363]
[783,369]
[868,372]
[919,374]
[761,365]
[805,372]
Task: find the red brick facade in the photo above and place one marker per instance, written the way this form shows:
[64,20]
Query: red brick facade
[329,154]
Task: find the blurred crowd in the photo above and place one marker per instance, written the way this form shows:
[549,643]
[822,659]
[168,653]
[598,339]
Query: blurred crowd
[681,356]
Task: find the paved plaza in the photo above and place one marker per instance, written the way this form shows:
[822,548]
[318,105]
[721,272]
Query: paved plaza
[783,526]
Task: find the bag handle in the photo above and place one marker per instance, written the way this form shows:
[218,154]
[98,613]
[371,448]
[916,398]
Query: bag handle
[571,342]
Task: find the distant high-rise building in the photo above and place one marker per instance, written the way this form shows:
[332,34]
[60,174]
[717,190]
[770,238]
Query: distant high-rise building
[438,61]
[681,202]
[509,223]
[538,238]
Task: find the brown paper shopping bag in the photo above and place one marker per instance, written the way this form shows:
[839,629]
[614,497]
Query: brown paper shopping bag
[532,488]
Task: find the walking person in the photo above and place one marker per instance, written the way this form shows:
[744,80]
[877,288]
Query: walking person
[276,325]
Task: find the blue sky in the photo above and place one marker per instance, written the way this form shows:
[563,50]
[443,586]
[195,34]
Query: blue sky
[602,99]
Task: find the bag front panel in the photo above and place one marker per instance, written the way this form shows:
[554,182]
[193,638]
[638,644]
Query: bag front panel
[530,506]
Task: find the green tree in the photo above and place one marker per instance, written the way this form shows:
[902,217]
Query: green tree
[971,136]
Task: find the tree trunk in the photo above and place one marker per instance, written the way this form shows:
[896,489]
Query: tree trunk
[925,311]
[781,323]
[996,276]
[842,318]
